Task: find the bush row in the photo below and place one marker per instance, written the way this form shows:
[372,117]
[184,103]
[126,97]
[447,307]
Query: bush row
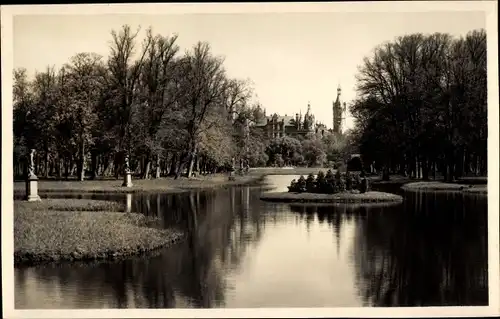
[330,183]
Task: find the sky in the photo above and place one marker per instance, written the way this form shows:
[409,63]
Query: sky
[291,58]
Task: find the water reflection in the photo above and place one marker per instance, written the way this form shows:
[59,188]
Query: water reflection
[432,253]
[242,252]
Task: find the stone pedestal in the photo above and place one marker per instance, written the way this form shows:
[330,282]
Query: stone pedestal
[127,180]
[32,189]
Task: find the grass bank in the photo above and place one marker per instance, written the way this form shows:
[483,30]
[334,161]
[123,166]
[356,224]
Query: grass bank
[162,185]
[445,187]
[71,204]
[347,197]
[262,171]
[348,206]
[69,230]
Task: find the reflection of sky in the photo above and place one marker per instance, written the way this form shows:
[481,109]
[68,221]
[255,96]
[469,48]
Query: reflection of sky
[295,267]
[280,183]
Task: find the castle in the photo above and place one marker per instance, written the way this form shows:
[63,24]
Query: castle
[276,126]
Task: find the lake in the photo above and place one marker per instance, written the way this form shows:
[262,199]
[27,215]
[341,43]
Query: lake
[430,250]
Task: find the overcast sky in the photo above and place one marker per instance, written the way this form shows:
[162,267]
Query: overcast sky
[292,58]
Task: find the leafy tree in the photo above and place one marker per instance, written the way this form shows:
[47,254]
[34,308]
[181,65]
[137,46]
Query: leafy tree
[84,83]
[202,81]
[420,95]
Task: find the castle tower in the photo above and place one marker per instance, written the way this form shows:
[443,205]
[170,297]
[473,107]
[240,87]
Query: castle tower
[309,118]
[338,113]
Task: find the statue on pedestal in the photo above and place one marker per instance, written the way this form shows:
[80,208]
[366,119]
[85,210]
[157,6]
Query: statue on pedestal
[31,163]
[127,178]
[32,180]
[127,165]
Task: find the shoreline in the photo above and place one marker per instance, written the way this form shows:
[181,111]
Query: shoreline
[163,185]
[166,185]
[68,230]
[345,198]
[28,259]
[434,186]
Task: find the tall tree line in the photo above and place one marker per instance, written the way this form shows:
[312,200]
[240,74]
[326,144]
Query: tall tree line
[422,105]
[169,112]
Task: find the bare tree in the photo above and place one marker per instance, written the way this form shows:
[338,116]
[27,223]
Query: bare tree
[124,81]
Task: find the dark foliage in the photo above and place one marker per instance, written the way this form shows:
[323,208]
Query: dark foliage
[329,183]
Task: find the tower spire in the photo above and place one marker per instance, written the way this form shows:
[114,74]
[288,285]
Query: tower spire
[339,91]
[337,113]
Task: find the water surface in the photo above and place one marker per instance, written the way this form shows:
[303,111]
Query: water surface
[430,250]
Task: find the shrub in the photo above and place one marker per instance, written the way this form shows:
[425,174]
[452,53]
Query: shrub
[320,182]
[330,182]
[339,183]
[364,187]
[301,184]
[348,181]
[310,183]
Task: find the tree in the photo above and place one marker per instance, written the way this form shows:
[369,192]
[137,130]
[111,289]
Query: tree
[85,83]
[152,104]
[157,95]
[312,150]
[22,107]
[124,76]
[202,81]
[418,97]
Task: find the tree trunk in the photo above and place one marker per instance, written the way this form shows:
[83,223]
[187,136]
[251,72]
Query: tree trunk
[425,169]
[173,165]
[116,166]
[47,158]
[158,166]
[67,167]
[434,170]
[81,165]
[105,165]
[145,174]
[94,165]
[180,169]
[191,164]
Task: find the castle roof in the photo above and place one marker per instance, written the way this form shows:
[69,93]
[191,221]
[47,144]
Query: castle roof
[287,119]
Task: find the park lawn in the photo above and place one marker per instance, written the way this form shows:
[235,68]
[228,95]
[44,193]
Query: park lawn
[287,170]
[72,204]
[162,185]
[42,233]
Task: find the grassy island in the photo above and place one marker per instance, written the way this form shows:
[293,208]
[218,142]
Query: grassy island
[433,186]
[58,230]
[331,188]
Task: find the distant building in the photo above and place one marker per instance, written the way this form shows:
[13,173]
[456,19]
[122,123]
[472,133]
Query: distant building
[321,129]
[338,113]
[276,126]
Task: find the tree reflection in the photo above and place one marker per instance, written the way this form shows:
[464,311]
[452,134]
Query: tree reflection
[429,251]
[190,274]
[433,253]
